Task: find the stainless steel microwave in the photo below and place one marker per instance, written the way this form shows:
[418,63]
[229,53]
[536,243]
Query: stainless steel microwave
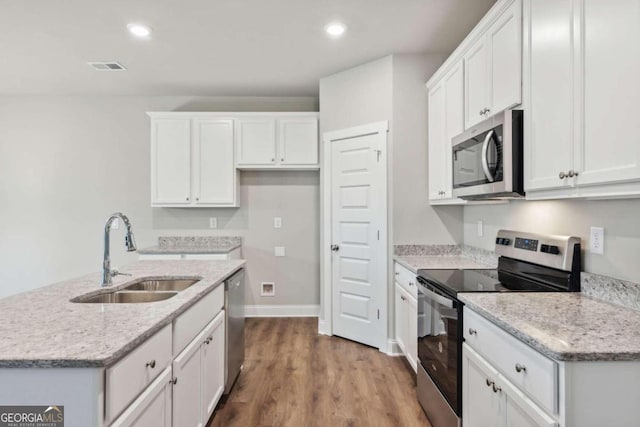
[487,159]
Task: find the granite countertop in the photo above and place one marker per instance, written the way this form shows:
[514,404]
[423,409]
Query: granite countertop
[445,262]
[563,326]
[194,245]
[42,328]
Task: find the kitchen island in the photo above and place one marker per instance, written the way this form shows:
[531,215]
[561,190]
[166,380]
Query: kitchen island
[104,362]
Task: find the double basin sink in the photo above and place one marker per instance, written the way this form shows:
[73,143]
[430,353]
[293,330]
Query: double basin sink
[141,291]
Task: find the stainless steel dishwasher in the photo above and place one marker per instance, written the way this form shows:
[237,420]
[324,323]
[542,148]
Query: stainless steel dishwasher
[234,331]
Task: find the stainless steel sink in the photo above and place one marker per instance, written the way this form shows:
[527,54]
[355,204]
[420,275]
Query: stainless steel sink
[156,285]
[123,297]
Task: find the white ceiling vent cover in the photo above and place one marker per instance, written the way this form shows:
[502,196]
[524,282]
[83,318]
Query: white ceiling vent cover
[107,66]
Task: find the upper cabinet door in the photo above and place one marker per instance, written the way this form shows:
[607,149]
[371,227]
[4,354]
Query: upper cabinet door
[476,82]
[610,147]
[505,49]
[171,162]
[454,120]
[437,138]
[298,141]
[214,174]
[549,96]
[256,141]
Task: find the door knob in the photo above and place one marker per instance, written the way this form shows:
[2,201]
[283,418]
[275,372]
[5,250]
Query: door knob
[335,248]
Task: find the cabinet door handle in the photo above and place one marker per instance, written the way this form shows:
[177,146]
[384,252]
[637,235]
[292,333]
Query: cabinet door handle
[410,283]
[402,298]
[187,199]
[496,388]
[282,159]
[151,364]
[520,368]
[473,331]
[273,159]
[572,173]
[397,273]
[489,382]
[562,175]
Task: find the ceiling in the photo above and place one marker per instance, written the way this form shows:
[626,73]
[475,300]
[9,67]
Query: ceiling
[214,47]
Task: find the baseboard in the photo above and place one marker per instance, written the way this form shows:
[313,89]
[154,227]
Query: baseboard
[323,328]
[281,310]
[393,349]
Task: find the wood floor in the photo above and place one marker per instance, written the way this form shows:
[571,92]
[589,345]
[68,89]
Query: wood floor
[294,377]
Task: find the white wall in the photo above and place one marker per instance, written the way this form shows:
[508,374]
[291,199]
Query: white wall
[66,163]
[620,218]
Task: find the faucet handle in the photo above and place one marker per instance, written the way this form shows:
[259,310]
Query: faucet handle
[115,273]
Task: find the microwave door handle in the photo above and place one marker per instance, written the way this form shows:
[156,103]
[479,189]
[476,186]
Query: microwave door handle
[485,161]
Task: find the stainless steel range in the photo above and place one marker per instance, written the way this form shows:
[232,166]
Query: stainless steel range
[528,263]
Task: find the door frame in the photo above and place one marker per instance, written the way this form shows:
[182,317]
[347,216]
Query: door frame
[325,320]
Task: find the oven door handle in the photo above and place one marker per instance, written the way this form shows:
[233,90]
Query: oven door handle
[436,297]
[485,160]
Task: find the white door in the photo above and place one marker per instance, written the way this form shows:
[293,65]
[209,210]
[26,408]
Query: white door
[298,141]
[214,172]
[505,45]
[475,83]
[187,390]
[437,143]
[256,142]
[482,404]
[152,408]
[548,83]
[359,233]
[171,162]
[610,149]
[213,365]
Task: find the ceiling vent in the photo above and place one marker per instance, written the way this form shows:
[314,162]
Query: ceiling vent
[107,66]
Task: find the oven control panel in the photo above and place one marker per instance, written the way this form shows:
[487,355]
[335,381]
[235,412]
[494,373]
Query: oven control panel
[550,250]
[526,244]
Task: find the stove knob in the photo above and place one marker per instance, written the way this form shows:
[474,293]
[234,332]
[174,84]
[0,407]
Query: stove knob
[544,248]
[506,242]
[554,250]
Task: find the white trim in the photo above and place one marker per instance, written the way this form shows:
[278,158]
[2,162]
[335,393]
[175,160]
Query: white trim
[231,114]
[393,349]
[325,326]
[281,310]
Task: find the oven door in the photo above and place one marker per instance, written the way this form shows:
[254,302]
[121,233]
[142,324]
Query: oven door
[438,346]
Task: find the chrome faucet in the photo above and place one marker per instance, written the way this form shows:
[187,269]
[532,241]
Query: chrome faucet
[107,273]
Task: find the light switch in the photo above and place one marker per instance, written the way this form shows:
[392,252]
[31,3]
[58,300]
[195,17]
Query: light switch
[597,240]
[277,222]
[279,250]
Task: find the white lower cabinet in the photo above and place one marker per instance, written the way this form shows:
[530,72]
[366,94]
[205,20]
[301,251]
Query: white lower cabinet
[406,314]
[213,366]
[152,408]
[187,387]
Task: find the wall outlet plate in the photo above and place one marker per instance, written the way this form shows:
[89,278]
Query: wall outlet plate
[480,228]
[277,222]
[279,251]
[596,240]
[267,289]
[213,222]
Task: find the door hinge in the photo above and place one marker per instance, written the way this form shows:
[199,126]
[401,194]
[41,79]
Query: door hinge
[378,314]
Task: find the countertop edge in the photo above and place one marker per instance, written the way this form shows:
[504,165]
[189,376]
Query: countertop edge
[127,348]
[560,356]
[156,250]
[400,260]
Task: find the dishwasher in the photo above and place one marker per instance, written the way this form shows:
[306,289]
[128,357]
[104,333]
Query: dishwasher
[234,331]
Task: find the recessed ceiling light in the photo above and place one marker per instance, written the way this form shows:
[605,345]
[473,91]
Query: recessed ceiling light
[139,30]
[335,29]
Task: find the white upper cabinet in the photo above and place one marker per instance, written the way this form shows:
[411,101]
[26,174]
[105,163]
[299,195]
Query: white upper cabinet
[278,142]
[437,143]
[298,141]
[256,142]
[214,174]
[493,76]
[581,65]
[171,162]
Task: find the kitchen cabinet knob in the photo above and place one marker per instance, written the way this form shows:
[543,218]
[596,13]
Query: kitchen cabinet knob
[187,199]
[473,331]
[282,159]
[397,273]
[273,159]
[173,381]
[197,199]
[489,382]
[402,298]
[572,173]
[562,175]
[520,368]
[151,364]
[410,283]
[335,248]
[496,388]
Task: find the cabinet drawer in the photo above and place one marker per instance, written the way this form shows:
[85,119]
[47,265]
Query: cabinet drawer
[407,279]
[539,376]
[125,380]
[190,323]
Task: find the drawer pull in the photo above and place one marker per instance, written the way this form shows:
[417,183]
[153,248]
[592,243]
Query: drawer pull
[410,283]
[397,273]
[496,389]
[520,368]
[173,381]
[473,331]
[151,364]
[489,382]
[208,340]
[402,298]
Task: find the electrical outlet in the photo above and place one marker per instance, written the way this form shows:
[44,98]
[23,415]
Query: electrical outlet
[213,222]
[279,250]
[277,222]
[267,289]
[115,224]
[480,228]
[597,240]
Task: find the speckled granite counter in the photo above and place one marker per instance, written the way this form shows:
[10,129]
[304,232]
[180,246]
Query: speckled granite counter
[194,245]
[42,328]
[563,326]
[430,257]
